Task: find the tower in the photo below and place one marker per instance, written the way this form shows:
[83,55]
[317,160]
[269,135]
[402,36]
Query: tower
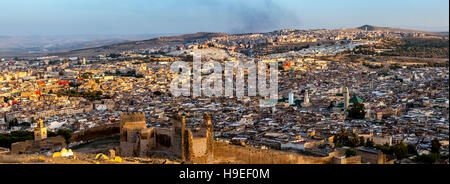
[346,98]
[180,136]
[208,126]
[291,98]
[40,132]
[306,100]
[130,126]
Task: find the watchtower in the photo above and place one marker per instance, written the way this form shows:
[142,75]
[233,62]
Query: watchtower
[130,126]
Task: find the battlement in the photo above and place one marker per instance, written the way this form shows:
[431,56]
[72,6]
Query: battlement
[132,117]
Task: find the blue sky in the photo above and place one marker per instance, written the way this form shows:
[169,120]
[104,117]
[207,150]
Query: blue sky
[68,17]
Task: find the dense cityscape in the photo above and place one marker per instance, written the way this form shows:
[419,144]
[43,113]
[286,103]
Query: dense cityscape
[367,95]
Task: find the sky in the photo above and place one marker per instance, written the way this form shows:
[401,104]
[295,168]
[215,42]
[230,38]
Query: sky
[131,17]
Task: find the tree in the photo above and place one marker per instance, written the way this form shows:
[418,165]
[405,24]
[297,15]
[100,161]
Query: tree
[157,93]
[342,137]
[370,143]
[13,123]
[357,111]
[67,134]
[16,136]
[25,124]
[386,149]
[400,150]
[354,140]
[412,149]
[362,141]
[350,153]
[427,158]
[33,120]
[435,146]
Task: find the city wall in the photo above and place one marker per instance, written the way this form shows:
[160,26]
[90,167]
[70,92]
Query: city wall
[31,146]
[247,155]
[102,131]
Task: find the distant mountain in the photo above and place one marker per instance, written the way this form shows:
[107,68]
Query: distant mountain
[367,27]
[143,44]
[22,46]
[389,29]
[442,34]
[385,29]
[81,46]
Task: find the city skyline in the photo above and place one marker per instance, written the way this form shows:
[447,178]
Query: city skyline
[152,17]
[224,82]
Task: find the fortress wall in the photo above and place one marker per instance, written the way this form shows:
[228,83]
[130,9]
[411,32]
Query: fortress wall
[199,146]
[96,132]
[248,155]
[51,143]
[350,160]
[353,160]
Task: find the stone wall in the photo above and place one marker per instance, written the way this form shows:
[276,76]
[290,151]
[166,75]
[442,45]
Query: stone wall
[199,148]
[227,153]
[31,146]
[372,156]
[102,131]
[350,160]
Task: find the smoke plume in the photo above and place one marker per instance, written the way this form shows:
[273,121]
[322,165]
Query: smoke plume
[251,16]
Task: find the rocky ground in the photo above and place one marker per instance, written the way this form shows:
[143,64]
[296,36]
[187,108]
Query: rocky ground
[78,158]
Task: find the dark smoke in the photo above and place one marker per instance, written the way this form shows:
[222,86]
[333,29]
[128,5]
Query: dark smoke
[252,16]
[267,16]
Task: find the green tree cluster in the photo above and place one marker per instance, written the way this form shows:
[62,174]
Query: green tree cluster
[350,153]
[16,136]
[357,111]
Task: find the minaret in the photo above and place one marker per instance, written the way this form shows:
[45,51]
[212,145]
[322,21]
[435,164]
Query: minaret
[306,100]
[291,98]
[40,132]
[306,97]
[346,98]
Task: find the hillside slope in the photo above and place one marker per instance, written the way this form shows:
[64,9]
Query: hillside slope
[156,42]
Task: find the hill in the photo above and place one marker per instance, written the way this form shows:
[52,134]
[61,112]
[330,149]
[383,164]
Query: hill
[156,42]
[388,29]
[23,46]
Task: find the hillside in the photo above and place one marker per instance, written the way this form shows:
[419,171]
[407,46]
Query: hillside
[78,158]
[156,42]
[192,38]
[23,46]
[387,29]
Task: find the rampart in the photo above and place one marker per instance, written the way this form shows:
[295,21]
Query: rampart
[234,154]
[31,146]
[102,131]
